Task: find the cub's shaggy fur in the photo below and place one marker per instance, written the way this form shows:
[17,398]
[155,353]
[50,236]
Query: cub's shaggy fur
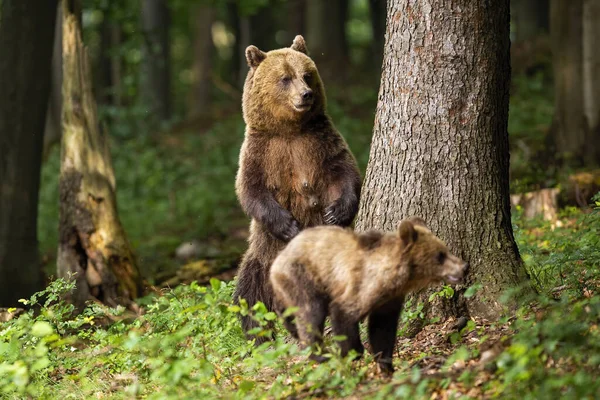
[330,270]
[295,169]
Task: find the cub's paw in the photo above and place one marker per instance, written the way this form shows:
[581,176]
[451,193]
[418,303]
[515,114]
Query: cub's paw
[337,214]
[286,229]
[385,369]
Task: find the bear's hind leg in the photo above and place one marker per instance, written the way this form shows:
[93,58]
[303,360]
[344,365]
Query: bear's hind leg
[383,326]
[253,285]
[344,324]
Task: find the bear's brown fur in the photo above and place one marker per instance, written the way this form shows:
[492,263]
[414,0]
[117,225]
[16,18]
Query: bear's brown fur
[295,169]
[330,270]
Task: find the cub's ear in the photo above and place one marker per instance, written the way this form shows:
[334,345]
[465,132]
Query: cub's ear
[299,44]
[417,221]
[254,56]
[408,233]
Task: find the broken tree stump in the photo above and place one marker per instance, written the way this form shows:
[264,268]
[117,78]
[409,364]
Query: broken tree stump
[540,202]
[93,248]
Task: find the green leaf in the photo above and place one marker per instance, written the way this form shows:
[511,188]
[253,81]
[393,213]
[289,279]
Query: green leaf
[471,290]
[270,316]
[41,329]
[246,386]
[215,284]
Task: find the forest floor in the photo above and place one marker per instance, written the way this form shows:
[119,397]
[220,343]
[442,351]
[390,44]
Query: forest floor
[177,188]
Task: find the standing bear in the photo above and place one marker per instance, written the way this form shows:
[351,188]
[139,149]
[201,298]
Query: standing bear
[295,169]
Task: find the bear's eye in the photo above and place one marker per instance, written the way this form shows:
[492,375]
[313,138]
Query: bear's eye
[286,79]
[441,257]
[307,77]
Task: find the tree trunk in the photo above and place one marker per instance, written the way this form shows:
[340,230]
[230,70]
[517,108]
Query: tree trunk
[203,52]
[92,242]
[377,10]
[296,19]
[326,36]
[110,64]
[156,65]
[52,129]
[530,18]
[568,128]
[440,142]
[26,37]
[591,79]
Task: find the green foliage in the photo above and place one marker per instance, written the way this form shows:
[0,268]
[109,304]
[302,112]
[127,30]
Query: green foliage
[187,344]
[566,256]
[555,351]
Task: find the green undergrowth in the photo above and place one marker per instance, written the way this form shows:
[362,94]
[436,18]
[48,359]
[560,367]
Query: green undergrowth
[188,344]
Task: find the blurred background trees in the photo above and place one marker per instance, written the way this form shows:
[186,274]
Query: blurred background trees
[26,37]
[168,77]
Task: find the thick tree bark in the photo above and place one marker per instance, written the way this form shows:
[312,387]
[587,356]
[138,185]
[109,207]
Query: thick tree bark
[92,242]
[326,36]
[440,142]
[157,57]
[203,52]
[26,36]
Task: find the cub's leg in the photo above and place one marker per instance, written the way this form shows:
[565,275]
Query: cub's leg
[310,321]
[346,325]
[383,325]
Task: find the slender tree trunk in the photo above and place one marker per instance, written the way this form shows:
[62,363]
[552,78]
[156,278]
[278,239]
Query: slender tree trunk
[110,64]
[440,142]
[264,26]
[377,10]
[296,19]
[530,18]
[326,36]
[92,242]
[157,57]
[52,129]
[26,37]
[203,52]
[591,79]
[569,127]
[243,41]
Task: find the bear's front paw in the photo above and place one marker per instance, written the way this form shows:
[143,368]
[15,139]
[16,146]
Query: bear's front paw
[337,214]
[287,230]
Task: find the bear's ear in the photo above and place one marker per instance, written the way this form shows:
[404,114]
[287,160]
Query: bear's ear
[408,233]
[254,56]
[417,221]
[299,44]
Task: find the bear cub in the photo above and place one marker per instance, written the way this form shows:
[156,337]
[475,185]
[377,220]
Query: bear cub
[331,270]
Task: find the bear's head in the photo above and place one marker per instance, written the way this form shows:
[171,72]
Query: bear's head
[427,256]
[283,87]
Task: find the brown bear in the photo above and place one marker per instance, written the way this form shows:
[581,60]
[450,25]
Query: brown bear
[330,270]
[295,169]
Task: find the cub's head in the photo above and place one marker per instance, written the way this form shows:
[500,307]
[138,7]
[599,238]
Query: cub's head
[282,85]
[427,256]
